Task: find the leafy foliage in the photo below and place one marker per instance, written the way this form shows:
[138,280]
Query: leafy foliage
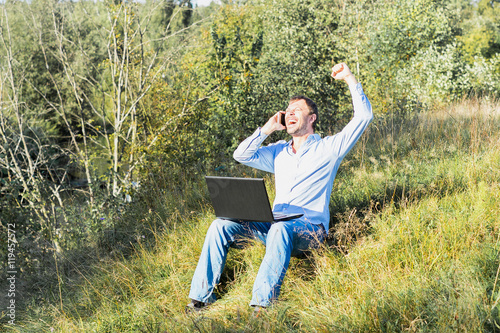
[100,99]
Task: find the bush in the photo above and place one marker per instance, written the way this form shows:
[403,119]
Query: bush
[438,77]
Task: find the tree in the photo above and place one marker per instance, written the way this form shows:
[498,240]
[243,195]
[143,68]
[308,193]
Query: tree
[86,67]
[251,60]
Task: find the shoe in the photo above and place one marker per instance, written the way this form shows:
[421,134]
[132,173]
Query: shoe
[195,306]
[258,311]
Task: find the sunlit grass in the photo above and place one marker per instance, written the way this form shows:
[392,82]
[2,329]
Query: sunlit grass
[415,247]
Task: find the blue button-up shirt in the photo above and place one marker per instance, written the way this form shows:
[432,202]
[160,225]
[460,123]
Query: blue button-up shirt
[304,179]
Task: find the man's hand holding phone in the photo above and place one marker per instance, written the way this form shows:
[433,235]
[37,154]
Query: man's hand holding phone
[282,118]
[275,123]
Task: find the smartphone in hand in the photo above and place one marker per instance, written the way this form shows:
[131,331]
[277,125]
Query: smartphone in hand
[282,119]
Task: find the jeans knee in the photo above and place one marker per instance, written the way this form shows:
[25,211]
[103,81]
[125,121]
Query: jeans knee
[279,228]
[223,230]
[279,232]
[217,224]
[217,227]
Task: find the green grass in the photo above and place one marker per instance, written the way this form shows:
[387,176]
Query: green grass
[414,248]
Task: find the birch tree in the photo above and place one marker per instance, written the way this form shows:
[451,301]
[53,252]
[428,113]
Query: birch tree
[91,64]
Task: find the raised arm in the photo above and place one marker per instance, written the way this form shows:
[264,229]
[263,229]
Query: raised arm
[345,140]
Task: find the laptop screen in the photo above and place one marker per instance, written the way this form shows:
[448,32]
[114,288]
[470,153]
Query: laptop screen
[241,199]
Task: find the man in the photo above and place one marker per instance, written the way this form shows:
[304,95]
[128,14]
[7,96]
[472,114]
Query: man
[304,169]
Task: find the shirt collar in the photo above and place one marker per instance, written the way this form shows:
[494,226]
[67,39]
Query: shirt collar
[310,139]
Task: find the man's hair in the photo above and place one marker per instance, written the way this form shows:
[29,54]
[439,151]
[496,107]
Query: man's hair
[313,108]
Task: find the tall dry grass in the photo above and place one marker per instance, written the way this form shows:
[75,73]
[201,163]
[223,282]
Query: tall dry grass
[413,247]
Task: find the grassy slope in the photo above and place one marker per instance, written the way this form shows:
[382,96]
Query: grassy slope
[428,261]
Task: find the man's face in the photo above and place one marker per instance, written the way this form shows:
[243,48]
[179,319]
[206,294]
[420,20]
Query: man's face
[298,120]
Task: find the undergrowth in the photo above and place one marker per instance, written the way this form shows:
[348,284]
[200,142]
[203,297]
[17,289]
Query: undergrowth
[413,246]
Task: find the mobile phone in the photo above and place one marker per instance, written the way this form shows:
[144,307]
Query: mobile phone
[282,119]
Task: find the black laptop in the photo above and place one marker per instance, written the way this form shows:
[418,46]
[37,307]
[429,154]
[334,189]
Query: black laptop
[242,199]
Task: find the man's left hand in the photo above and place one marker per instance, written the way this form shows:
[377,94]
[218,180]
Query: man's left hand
[342,72]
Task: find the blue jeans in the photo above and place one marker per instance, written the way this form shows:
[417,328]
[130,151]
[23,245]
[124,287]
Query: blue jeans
[282,240]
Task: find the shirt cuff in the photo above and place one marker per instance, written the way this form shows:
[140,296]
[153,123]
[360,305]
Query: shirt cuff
[258,134]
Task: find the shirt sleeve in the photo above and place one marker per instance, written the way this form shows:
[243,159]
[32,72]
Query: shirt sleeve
[343,142]
[250,152]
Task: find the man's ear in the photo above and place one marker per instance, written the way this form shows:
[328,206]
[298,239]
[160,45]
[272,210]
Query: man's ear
[313,118]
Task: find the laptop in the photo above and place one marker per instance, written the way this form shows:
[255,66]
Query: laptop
[242,199]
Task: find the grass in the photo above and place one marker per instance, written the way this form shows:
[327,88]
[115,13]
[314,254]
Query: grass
[414,246]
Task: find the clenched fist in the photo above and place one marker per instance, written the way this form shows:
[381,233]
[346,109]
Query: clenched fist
[342,72]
